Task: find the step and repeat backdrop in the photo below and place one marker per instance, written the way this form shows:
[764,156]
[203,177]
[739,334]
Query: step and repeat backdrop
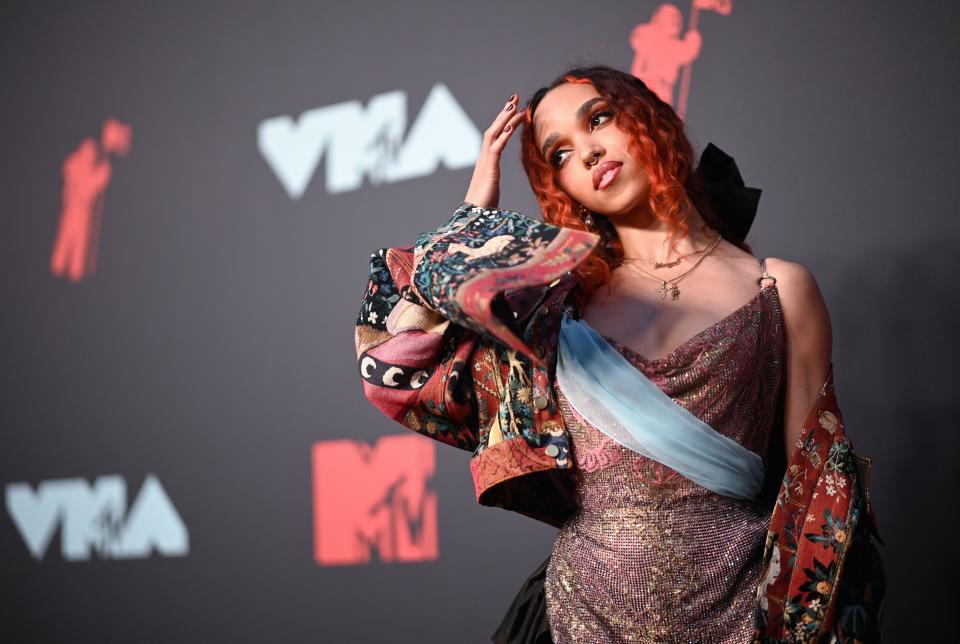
[190,196]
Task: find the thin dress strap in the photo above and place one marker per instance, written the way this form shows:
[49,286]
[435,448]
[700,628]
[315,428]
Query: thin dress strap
[765,275]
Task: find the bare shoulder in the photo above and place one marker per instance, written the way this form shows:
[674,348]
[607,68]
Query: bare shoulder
[797,286]
[804,309]
[809,342]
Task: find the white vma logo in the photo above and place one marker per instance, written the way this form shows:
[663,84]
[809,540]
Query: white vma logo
[369,142]
[96,518]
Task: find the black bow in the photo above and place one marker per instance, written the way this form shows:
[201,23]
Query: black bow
[734,203]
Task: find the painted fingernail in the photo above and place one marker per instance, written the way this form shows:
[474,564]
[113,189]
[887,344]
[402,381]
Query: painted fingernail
[506,128]
[509,107]
[512,96]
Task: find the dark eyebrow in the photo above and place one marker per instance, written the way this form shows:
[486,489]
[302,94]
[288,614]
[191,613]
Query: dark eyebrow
[579,115]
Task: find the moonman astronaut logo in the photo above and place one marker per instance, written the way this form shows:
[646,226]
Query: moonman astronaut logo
[94,519]
[358,142]
[86,175]
[370,500]
[660,52]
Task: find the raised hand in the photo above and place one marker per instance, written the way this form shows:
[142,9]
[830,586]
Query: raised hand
[484,190]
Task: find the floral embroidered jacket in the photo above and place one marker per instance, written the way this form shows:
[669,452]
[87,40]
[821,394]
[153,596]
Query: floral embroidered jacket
[457,339]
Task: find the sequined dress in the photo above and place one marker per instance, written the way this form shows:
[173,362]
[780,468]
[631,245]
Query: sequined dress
[650,556]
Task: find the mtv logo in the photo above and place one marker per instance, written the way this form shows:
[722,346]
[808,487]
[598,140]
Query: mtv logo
[95,518]
[368,499]
[369,141]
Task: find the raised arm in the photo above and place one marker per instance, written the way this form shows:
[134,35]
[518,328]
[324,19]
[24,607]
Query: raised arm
[480,275]
[486,268]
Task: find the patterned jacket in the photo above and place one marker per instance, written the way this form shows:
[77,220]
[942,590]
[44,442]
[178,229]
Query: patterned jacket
[457,339]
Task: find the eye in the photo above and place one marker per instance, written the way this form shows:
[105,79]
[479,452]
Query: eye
[556,160]
[601,113]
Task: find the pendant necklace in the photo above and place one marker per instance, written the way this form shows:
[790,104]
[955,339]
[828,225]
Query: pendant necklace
[663,289]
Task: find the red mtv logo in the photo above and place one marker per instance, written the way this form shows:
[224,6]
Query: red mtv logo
[374,498]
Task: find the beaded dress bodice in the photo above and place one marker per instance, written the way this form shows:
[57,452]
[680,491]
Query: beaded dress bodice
[649,555]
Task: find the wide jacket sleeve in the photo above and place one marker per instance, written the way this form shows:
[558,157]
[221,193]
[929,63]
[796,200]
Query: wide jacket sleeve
[824,576]
[411,360]
[486,268]
[426,307]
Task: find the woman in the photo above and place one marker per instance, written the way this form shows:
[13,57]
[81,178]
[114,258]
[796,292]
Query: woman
[650,429]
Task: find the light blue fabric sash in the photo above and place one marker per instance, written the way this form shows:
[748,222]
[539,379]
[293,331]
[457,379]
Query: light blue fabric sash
[617,398]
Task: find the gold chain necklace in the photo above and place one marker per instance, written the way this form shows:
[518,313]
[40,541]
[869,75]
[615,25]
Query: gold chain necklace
[658,264]
[673,290]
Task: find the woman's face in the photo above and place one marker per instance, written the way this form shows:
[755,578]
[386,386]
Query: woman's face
[576,133]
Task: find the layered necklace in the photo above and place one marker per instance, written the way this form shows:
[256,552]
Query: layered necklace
[670,285]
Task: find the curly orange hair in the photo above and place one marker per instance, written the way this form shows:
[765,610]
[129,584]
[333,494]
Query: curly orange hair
[660,144]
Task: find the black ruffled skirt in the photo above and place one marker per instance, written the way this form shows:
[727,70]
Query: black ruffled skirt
[526,619]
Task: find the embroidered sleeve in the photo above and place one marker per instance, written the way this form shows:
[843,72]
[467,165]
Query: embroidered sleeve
[823,572]
[480,268]
[427,306]
[413,361]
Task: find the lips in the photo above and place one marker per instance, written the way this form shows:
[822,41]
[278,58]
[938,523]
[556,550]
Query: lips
[604,168]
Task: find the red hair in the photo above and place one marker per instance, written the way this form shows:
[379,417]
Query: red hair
[658,142]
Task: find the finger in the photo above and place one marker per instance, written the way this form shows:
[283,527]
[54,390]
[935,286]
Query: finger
[508,129]
[508,111]
[514,122]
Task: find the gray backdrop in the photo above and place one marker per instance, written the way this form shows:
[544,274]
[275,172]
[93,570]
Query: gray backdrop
[214,344]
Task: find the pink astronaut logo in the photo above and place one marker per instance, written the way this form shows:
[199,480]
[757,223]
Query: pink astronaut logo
[374,501]
[86,175]
[663,53]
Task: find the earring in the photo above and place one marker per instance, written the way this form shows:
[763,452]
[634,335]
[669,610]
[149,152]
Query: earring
[587,217]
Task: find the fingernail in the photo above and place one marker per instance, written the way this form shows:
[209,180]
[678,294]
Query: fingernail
[509,107]
[512,96]
[506,128]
